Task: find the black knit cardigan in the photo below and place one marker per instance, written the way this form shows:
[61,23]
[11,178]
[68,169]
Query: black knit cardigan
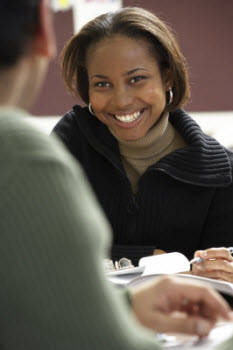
[184,202]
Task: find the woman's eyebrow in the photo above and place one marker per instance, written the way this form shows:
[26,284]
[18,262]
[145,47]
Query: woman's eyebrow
[101,76]
[134,70]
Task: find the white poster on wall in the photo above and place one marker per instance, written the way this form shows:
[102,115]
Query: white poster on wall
[86,10]
[61,5]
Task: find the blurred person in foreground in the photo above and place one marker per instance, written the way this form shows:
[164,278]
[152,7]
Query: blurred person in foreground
[162,182]
[53,293]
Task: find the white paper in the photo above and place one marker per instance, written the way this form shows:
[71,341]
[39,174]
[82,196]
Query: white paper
[128,271]
[157,264]
[164,263]
[221,286]
[221,333]
[85,10]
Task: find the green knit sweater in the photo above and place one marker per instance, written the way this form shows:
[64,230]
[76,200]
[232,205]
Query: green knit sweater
[54,236]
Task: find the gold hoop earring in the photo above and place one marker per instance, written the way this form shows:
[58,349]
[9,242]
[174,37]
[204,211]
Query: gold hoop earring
[170,96]
[90,108]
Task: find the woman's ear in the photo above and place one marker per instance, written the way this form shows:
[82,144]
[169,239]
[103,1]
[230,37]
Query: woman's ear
[44,39]
[168,79]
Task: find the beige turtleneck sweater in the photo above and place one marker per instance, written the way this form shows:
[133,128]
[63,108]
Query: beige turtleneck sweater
[138,155]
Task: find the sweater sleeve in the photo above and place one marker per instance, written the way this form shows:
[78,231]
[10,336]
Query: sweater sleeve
[53,293]
[217,231]
[66,130]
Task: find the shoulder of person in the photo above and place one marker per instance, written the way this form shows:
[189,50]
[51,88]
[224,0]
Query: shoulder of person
[23,143]
[72,116]
[70,123]
[230,155]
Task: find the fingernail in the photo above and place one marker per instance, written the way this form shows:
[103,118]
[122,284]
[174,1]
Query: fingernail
[203,327]
[204,255]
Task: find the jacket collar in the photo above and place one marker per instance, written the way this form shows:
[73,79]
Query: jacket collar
[205,162]
[98,136]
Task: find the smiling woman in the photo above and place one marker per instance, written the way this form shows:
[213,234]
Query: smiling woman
[163,184]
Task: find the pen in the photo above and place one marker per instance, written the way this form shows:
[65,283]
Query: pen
[199,260]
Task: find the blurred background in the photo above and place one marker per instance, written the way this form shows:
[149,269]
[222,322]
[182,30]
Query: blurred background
[204,30]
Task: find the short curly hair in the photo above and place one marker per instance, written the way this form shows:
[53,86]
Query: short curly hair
[133,22]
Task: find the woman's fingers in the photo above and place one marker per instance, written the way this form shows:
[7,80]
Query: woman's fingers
[214,253]
[217,264]
[215,274]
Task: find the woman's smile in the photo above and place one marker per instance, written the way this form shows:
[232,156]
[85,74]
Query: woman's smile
[129,119]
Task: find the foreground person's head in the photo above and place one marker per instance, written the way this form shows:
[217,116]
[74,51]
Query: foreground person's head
[26,45]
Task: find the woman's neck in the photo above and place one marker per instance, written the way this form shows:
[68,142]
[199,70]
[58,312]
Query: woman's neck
[154,141]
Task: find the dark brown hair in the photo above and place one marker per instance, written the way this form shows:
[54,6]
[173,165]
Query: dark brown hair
[132,22]
[18,24]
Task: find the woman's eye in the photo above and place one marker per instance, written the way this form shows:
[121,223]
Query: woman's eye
[136,79]
[102,84]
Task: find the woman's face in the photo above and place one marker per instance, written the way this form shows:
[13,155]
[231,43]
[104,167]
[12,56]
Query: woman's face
[126,90]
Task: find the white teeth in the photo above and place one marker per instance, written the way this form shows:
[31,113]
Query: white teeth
[129,117]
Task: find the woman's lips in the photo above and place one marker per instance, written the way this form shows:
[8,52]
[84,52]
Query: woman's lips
[128,117]
[128,120]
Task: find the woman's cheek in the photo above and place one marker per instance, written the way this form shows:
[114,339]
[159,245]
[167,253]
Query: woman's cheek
[97,102]
[155,96]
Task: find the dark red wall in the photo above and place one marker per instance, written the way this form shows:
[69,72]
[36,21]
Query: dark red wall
[204,30]
[53,98]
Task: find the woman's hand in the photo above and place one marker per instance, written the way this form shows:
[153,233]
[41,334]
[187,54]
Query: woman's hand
[218,264]
[155,305]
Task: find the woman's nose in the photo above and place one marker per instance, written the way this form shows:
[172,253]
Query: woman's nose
[122,97]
